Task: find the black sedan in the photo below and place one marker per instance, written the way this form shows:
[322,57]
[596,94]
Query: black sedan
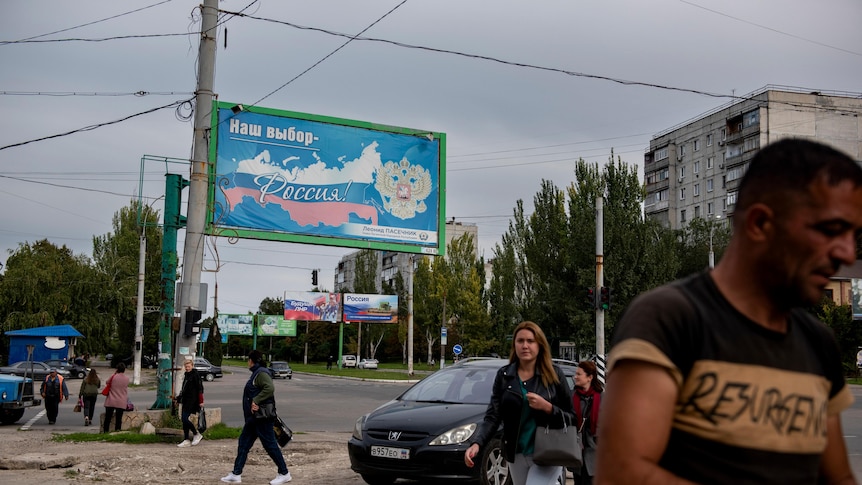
[76,371]
[422,434]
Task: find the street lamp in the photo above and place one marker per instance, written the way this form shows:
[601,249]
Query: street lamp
[712,220]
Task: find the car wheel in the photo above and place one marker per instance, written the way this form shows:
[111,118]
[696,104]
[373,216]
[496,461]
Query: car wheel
[290,377]
[82,374]
[378,479]
[210,376]
[495,470]
[9,416]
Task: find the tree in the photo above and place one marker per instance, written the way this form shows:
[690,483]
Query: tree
[46,285]
[115,256]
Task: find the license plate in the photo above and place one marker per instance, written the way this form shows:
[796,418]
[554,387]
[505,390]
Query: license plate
[386,452]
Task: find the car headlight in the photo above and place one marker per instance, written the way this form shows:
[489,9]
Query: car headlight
[357,428]
[455,435]
[3,396]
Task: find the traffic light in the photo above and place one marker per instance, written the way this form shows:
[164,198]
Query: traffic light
[605,298]
[314,277]
[590,297]
[191,326]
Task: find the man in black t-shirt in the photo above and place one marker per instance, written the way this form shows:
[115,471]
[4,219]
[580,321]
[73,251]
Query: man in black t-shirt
[721,378]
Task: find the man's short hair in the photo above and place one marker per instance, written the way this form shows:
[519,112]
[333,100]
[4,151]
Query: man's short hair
[255,356]
[788,167]
[53,369]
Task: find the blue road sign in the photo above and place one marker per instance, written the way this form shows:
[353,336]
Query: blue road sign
[456,349]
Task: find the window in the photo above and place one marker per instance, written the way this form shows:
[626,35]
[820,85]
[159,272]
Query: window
[664,174]
[661,195]
[731,198]
[697,145]
[680,152]
[696,191]
[696,168]
[723,134]
[682,215]
[709,186]
[682,193]
[681,172]
[734,173]
[751,143]
[696,211]
[709,140]
[710,161]
[709,208]
[661,154]
[751,118]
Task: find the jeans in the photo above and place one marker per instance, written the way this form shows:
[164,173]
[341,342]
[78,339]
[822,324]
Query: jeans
[252,430]
[524,472]
[188,426]
[89,406]
[118,425]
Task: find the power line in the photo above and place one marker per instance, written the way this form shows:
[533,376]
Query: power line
[771,29]
[175,104]
[77,93]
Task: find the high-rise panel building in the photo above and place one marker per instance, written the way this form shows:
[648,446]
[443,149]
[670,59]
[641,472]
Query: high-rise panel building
[693,169]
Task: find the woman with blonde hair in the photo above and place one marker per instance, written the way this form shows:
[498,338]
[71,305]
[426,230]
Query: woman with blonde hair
[529,393]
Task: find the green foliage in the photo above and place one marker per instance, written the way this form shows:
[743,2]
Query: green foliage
[848,333]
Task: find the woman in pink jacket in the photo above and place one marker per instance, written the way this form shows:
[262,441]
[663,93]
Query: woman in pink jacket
[117,398]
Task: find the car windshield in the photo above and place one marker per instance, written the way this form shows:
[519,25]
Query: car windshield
[279,365]
[469,385]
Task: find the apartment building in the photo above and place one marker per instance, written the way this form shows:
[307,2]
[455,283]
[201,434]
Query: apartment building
[693,169]
[390,263]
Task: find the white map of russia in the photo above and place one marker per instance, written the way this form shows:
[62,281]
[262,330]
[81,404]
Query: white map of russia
[324,206]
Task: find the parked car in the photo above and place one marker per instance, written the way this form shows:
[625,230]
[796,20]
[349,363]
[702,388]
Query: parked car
[76,371]
[147,362]
[422,434]
[206,369]
[39,371]
[368,364]
[281,369]
[348,361]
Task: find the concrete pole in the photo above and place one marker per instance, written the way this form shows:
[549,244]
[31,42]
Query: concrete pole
[139,317]
[198,182]
[410,315]
[600,277]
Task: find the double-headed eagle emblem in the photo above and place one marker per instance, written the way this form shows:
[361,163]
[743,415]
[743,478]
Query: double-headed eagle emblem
[404,188]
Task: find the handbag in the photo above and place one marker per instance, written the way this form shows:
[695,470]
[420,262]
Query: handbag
[558,446]
[265,411]
[78,405]
[107,389]
[129,405]
[202,420]
[283,434]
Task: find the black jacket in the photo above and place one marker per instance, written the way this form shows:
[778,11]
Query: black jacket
[506,403]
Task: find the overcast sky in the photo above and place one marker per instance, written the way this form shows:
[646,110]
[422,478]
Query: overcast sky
[521,89]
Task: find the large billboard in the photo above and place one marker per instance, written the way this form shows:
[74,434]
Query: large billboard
[231,324]
[370,308]
[311,305]
[275,326]
[287,176]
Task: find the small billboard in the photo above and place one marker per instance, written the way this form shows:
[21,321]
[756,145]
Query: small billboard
[370,308]
[856,298]
[297,177]
[275,326]
[232,324]
[312,305]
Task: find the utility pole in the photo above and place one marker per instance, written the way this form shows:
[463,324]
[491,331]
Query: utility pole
[198,182]
[410,315]
[600,276]
[139,318]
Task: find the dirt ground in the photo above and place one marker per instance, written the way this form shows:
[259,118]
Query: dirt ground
[314,458]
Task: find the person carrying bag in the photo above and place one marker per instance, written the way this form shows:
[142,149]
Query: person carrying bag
[191,399]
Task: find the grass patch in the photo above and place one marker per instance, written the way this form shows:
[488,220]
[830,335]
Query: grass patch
[855,380]
[218,431]
[390,371]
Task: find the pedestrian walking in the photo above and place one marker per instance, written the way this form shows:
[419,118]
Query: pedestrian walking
[530,392]
[53,392]
[88,394]
[723,377]
[191,400]
[117,399]
[258,405]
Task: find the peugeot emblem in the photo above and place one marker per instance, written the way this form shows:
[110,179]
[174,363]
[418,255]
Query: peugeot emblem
[394,435]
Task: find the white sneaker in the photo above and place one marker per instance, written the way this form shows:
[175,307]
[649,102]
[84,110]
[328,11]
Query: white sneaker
[279,479]
[184,444]
[231,478]
[197,439]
